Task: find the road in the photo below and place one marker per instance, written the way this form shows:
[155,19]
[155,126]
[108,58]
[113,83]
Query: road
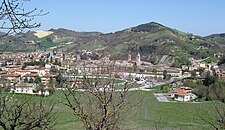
[142,88]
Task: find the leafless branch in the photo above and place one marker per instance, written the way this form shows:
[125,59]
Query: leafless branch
[99,103]
[14,18]
[218,120]
[24,114]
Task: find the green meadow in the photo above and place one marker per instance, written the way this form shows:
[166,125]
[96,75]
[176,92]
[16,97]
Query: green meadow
[148,114]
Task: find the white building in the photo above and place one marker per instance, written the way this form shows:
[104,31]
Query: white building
[143,75]
[28,88]
[182,95]
[24,88]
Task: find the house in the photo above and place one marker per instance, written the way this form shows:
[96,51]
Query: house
[143,75]
[182,95]
[186,89]
[22,72]
[28,88]
[2,73]
[11,67]
[40,71]
[117,74]
[220,74]
[12,78]
[30,77]
[174,72]
[46,78]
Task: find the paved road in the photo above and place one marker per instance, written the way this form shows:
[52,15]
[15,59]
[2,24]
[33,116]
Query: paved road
[161,97]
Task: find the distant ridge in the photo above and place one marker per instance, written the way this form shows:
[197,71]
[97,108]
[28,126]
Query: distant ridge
[155,42]
[148,27]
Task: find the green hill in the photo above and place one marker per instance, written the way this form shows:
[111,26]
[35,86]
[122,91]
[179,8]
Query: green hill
[155,42]
[216,38]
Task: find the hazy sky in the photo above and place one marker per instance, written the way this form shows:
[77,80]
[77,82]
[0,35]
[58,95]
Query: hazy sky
[201,17]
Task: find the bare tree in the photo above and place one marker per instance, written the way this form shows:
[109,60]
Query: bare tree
[216,117]
[100,103]
[14,18]
[24,114]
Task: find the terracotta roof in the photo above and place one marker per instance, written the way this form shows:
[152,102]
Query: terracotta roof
[11,66]
[22,71]
[39,68]
[180,91]
[31,75]
[12,75]
[62,68]
[3,72]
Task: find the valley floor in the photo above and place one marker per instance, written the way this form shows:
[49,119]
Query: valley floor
[149,114]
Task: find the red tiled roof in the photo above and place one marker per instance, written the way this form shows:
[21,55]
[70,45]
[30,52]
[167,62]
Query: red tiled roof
[22,71]
[180,91]
[12,75]
[11,66]
[3,72]
[39,68]
[62,68]
[31,75]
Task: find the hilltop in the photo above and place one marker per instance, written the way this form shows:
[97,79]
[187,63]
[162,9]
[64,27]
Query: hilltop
[155,42]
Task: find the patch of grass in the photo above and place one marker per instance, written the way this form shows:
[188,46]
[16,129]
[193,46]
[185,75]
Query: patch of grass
[191,44]
[2,46]
[160,34]
[63,40]
[172,115]
[92,45]
[118,48]
[211,59]
[47,44]
[162,88]
[181,53]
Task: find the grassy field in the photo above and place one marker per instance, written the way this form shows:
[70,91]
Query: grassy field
[47,44]
[148,114]
[170,115]
[90,46]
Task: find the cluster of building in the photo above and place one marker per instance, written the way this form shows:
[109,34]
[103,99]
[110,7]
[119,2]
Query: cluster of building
[202,68]
[20,78]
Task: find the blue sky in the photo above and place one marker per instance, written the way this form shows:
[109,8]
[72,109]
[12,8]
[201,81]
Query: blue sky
[201,17]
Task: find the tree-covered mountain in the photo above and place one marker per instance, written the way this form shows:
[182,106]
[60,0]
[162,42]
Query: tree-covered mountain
[216,38]
[155,42]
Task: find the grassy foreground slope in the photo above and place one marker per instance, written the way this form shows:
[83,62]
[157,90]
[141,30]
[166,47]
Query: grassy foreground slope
[148,114]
